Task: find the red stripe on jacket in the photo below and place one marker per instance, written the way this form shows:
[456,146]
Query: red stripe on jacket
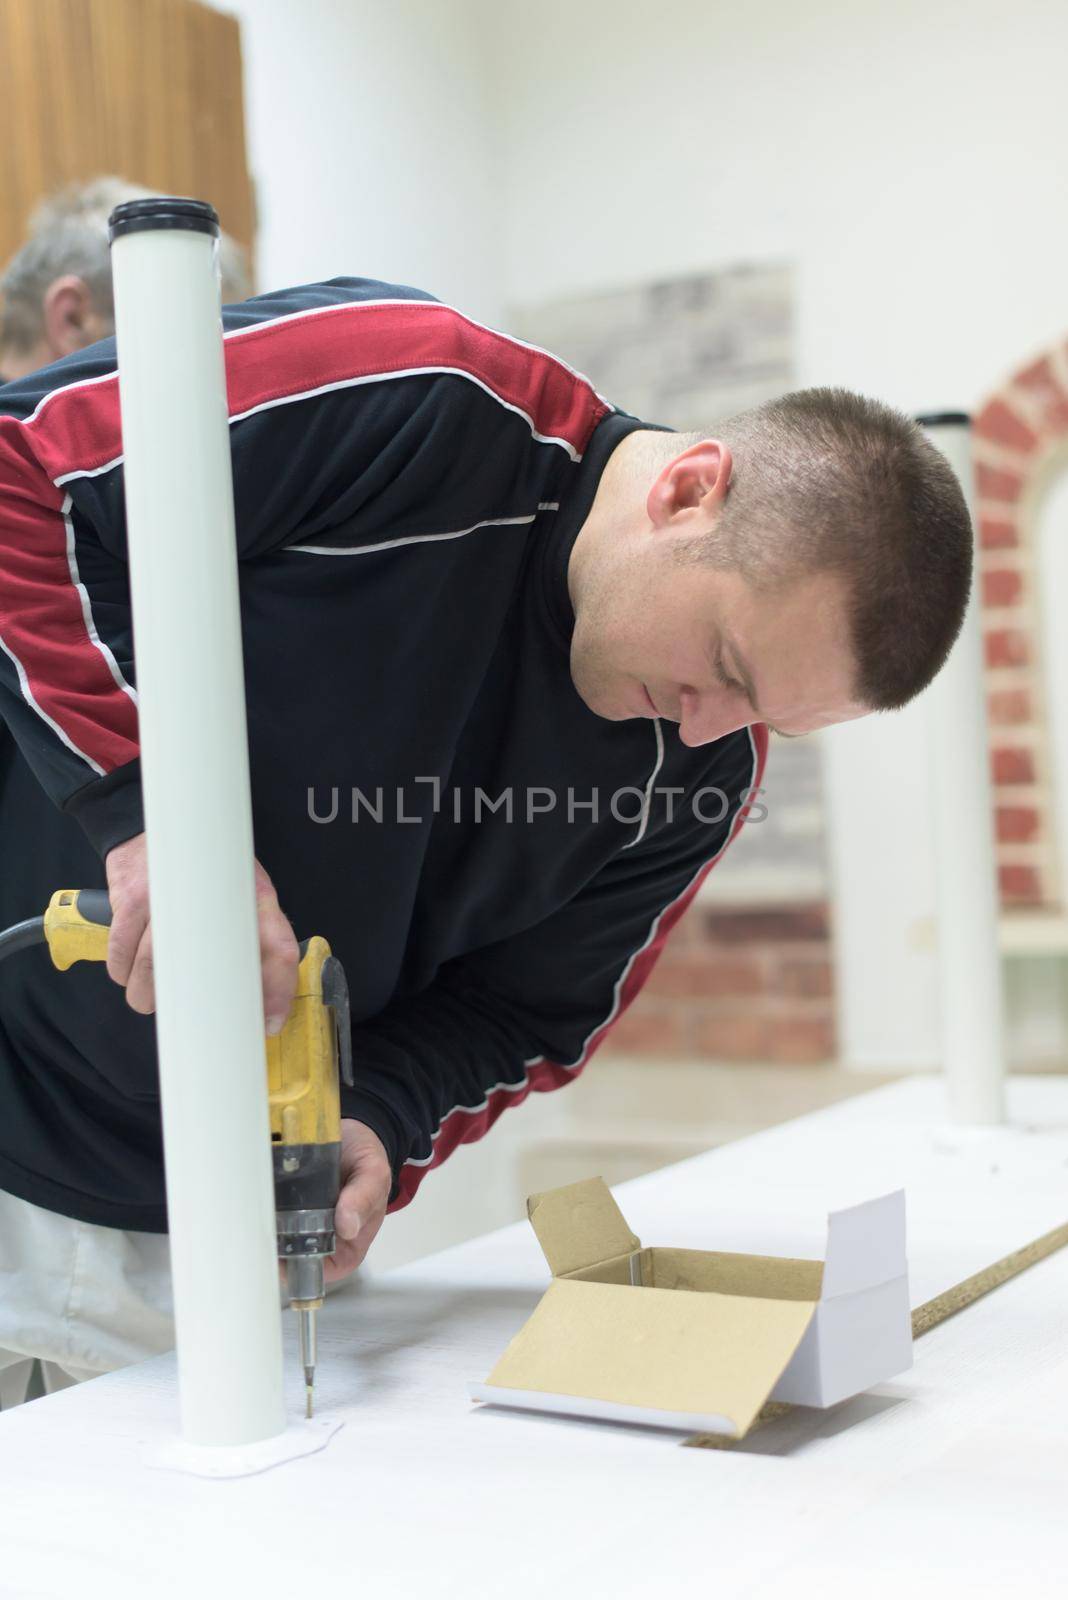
[466,1127]
[41,619]
[77,430]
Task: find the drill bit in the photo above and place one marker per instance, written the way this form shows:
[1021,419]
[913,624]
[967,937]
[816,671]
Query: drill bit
[305,1287]
[307,1355]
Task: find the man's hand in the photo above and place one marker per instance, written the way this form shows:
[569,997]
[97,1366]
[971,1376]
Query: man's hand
[365,1184]
[130,939]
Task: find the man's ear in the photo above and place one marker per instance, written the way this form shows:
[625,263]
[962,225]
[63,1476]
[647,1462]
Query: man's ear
[694,484]
[70,320]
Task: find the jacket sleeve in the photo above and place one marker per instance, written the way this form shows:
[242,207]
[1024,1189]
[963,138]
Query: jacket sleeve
[436,1070]
[355,408]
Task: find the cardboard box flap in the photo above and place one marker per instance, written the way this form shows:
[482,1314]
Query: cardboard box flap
[708,1354]
[579,1224]
[865,1245]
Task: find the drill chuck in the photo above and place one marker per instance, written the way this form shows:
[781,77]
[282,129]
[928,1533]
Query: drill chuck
[307,1179]
[305,1239]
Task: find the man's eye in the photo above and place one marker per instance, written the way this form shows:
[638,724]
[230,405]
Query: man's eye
[727,681]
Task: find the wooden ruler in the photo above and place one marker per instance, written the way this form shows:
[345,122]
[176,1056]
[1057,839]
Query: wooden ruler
[924,1318]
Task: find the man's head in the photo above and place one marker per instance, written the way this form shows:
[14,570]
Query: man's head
[809,564]
[57,288]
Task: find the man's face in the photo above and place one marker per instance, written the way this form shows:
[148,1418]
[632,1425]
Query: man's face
[656,636]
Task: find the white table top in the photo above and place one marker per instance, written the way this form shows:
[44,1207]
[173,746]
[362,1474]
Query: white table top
[950,1480]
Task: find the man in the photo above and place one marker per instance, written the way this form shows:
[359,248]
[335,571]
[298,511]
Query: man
[509,653]
[56,290]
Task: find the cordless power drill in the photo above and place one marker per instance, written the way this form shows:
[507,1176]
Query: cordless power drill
[302,1084]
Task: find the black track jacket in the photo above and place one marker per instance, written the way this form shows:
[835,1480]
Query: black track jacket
[495,866]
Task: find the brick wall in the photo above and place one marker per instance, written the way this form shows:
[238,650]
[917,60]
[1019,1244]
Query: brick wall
[738,984]
[1020,432]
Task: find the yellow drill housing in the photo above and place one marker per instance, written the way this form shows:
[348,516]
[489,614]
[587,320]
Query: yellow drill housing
[71,935]
[302,1063]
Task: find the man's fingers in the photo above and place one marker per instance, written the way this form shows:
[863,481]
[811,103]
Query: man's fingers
[361,1200]
[280,957]
[127,874]
[361,1205]
[279,954]
[130,938]
[127,930]
[350,1252]
[347,1217]
[140,985]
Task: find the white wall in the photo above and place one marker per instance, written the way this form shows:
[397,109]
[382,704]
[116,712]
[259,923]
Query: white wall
[370,145]
[910,159]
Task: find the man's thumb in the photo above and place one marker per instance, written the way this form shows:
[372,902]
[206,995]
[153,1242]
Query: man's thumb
[347,1220]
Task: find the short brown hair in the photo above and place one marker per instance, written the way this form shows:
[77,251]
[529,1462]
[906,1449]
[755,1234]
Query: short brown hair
[825,480]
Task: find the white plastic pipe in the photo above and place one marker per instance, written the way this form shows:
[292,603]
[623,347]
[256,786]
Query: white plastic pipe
[198,822]
[970,979]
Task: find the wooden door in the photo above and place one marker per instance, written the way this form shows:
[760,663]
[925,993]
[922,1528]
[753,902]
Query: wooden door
[148,90]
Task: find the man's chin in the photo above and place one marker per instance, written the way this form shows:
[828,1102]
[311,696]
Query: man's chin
[599,698]
[607,709]
[615,696]
[613,705]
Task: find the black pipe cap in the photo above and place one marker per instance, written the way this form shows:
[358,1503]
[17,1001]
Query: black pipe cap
[163,211]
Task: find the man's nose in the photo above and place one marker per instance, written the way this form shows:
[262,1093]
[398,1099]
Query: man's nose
[704,717]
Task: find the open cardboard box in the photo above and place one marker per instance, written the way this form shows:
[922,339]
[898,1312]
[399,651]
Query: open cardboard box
[698,1339]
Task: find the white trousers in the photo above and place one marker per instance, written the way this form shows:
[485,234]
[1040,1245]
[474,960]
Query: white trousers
[80,1298]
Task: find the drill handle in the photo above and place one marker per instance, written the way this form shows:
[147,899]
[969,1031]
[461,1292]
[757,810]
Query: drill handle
[76,926]
[336,996]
